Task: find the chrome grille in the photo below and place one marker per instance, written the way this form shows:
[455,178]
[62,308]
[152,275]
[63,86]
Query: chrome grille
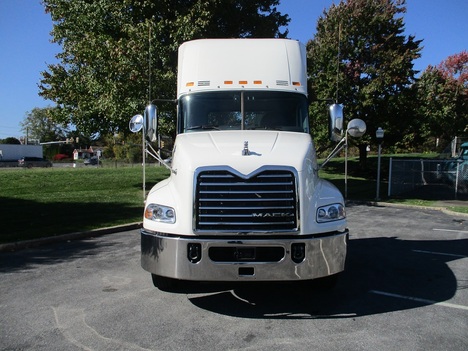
[229,203]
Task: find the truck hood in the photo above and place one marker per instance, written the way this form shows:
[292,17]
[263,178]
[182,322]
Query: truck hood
[225,148]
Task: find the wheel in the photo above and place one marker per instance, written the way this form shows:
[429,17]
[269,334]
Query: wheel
[164,283]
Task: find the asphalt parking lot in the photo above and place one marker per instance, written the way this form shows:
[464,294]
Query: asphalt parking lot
[405,288]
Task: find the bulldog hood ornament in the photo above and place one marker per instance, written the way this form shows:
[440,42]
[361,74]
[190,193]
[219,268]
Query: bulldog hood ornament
[245,151]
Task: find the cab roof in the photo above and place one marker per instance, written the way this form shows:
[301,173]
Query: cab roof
[236,64]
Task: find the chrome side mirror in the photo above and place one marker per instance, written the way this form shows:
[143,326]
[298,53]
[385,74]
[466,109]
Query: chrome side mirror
[148,122]
[336,122]
[151,123]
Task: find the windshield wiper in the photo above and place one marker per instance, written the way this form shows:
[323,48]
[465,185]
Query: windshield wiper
[264,128]
[203,127]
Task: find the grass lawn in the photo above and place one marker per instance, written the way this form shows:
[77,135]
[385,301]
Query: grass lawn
[45,202]
[361,185]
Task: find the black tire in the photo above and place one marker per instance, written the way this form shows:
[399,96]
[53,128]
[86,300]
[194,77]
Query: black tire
[164,283]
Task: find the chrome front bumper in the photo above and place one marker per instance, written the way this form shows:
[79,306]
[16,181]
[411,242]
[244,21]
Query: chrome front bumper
[168,256]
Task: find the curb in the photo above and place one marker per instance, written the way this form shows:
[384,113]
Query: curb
[19,245]
[389,204]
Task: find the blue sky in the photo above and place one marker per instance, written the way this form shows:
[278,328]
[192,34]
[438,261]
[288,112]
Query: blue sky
[25,47]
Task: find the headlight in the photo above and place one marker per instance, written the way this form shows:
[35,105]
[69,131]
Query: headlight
[160,213]
[330,213]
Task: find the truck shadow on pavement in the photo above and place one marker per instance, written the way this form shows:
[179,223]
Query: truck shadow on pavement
[382,275]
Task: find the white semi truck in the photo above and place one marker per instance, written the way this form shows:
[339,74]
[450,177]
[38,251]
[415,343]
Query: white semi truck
[243,201]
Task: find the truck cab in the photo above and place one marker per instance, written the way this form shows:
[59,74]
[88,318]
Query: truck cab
[243,201]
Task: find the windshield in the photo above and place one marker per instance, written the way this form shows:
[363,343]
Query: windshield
[464,152]
[228,110]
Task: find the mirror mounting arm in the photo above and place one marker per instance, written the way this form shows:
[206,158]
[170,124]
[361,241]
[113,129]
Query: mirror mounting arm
[335,151]
[153,153]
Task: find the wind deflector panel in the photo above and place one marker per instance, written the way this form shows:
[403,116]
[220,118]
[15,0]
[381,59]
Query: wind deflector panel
[265,202]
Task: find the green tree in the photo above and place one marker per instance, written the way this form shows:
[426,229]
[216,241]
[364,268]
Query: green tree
[361,58]
[443,99]
[103,76]
[10,140]
[125,148]
[38,124]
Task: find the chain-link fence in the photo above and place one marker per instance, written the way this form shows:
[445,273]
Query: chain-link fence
[428,179]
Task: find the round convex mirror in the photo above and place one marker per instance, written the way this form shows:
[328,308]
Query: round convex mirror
[136,123]
[356,128]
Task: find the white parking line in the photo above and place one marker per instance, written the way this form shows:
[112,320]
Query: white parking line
[450,230]
[439,253]
[425,301]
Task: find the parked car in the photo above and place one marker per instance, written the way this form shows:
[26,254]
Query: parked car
[30,162]
[92,161]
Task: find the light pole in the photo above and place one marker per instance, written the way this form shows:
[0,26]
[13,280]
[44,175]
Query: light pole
[379,134]
[136,124]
